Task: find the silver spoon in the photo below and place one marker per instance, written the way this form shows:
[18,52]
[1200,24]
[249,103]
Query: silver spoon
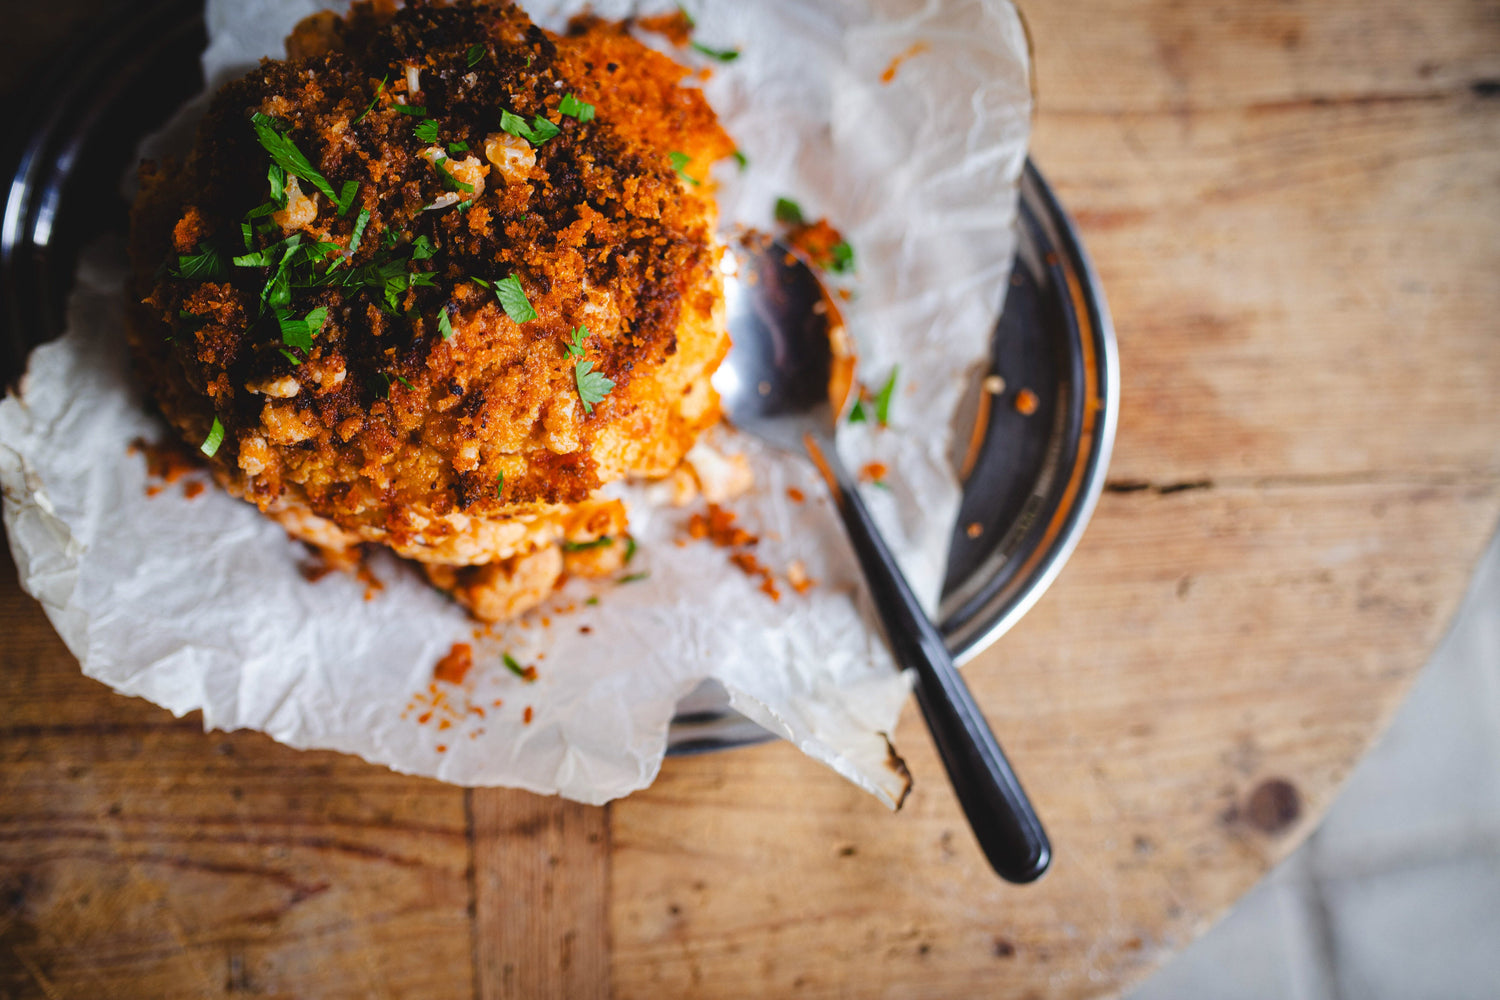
[786,381]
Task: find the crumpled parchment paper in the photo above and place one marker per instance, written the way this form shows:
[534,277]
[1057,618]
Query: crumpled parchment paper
[200,604]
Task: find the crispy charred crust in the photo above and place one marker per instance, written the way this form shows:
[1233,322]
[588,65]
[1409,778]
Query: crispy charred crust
[389,417]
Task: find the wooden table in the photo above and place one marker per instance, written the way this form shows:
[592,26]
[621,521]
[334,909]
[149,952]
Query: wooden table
[1295,208]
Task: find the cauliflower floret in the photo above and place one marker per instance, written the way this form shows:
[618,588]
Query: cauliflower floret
[511,155]
[301,210]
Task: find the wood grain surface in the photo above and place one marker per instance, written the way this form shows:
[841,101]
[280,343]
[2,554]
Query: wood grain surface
[1295,210]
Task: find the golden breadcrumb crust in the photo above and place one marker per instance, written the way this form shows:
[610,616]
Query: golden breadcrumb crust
[475,447]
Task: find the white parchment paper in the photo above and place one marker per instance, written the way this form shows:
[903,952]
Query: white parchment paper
[200,604]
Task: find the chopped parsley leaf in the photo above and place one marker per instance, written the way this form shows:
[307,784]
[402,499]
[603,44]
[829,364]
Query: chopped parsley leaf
[857,413]
[741,159]
[527,674]
[479,281]
[346,197]
[574,108]
[454,148]
[463,206]
[597,543]
[403,381]
[445,325]
[410,109]
[256,258]
[574,345]
[425,130]
[592,601]
[287,156]
[300,332]
[422,248]
[210,445]
[379,89]
[513,299]
[276,177]
[360,222]
[630,548]
[474,54]
[789,212]
[679,163]
[633,577]
[883,398]
[592,386]
[722,55]
[289,356]
[843,258]
[538,132]
[449,181]
[206,263]
[499,485]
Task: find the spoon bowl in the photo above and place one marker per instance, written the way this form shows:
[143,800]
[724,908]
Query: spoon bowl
[790,358]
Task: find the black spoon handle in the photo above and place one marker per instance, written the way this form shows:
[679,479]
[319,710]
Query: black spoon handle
[1001,816]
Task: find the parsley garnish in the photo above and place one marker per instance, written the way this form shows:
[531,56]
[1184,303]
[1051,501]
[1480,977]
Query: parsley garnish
[857,413]
[206,263]
[479,281]
[630,548]
[346,197]
[422,248]
[883,398]
[426,130]
[592,385]
[527,674]
[403,381]
[449,181]
[633,577]
[537,133]
[445,325]
[592,601]
[474,54]
[741,159]
[454,148]
[843,258]
[574,108]
[256,258]
[360,222]
[513,299]
[299,333]
[723,55]
[597,543]
[210,445]
[379,89]
[679,162]
[499,485]
[410,109]
[287,156]
[789,212]
[289,356]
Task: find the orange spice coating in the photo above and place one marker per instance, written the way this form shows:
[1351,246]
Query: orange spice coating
[472,448]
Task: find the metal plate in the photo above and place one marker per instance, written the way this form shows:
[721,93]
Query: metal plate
[1030,480]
